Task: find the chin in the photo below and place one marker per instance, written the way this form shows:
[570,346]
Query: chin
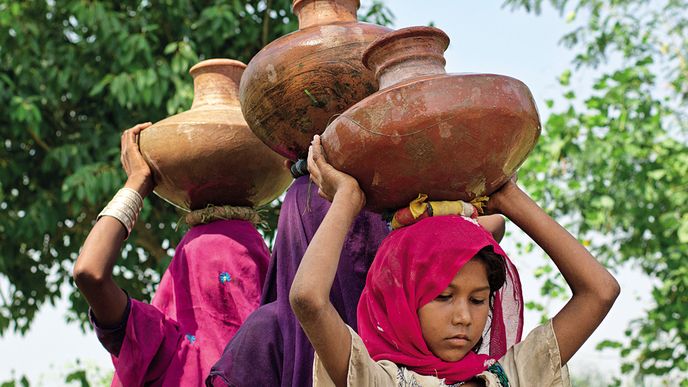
[452,356]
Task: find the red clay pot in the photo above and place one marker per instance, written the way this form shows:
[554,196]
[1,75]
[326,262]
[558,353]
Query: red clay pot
[295,85]
[451,136]
[208,155]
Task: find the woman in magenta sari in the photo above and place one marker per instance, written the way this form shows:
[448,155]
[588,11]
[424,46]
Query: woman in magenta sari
[211,286]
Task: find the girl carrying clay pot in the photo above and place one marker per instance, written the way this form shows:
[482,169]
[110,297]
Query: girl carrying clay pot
[211,286]
[270,348]
[439,303]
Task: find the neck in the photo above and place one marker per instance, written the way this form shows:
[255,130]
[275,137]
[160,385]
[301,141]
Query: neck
[407,53]
[320,12]
[216,82]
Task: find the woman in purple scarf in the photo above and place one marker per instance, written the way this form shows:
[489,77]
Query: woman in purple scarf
[270,348]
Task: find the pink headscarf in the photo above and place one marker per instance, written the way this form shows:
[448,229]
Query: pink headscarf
[412,267]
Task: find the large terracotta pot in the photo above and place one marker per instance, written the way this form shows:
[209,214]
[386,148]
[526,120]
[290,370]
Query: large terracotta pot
[208,155]
[295,85]
[451,136]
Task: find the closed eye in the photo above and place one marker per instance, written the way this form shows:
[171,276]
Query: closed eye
[443,297]
[477,301]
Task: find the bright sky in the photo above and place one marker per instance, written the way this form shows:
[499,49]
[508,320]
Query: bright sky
[484,38]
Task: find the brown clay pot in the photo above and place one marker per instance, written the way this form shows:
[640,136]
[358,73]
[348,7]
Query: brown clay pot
[208,155]
[451,136]
[295,85]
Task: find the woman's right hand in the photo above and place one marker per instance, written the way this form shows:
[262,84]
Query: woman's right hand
[139,174]
[329,180]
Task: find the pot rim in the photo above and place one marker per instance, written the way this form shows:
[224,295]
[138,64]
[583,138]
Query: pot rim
[298,3]
[216,62]
[416,31]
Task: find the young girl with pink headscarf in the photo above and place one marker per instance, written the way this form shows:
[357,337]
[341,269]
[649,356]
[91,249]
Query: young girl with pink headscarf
[442,303]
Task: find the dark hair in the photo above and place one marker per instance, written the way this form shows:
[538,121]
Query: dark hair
[496,277]
[496,270]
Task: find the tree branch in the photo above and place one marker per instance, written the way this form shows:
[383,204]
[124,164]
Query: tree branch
[38,140]
[266,21]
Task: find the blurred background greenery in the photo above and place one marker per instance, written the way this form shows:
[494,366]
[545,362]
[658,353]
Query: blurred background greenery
[612,161]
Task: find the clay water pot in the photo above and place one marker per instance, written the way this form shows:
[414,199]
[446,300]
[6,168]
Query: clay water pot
[295,85]
[451,136]
[208,155]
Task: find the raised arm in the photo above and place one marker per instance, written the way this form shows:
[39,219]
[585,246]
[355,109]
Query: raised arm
[310,291]
[594,288]
[93,268]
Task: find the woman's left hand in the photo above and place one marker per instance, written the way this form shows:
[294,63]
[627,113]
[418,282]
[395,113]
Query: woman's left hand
[329,180]
[501,199]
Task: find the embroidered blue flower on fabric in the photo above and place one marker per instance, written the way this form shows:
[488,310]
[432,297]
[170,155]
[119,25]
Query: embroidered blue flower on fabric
[191,338]
[225,277]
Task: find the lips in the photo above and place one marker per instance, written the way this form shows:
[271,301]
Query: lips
[458,340]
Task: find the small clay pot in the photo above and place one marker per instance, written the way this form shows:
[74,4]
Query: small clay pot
[208,155]
[295,85]
[451,136]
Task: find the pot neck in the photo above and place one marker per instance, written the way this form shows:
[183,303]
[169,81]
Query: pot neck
[406,53]
[216,82]
[320,12]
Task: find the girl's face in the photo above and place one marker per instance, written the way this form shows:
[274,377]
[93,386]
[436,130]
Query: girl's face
[453,322]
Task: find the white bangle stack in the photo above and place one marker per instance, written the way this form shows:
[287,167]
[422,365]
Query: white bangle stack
[125,207]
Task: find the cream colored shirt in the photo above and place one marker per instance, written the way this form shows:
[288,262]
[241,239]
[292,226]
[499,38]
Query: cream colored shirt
[534,361]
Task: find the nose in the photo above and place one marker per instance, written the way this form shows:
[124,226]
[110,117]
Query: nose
[461,315]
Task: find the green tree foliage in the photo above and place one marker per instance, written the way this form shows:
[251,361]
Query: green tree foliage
[75,373]
[73,75]
[614,160]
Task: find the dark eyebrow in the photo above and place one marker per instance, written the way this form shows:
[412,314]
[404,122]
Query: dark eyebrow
[480,289]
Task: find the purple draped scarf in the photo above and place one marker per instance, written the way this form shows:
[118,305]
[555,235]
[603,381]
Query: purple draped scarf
[270,348]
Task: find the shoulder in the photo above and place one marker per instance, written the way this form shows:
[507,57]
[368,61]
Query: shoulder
[363,370]
[536,360]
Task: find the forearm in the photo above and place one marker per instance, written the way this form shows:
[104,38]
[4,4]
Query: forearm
[93,271]
[580,269]
[314,278]
[594,288]
[310,291]
[93,268]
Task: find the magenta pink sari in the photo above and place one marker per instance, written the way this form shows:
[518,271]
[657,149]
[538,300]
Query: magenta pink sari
[212,284]
[413,266]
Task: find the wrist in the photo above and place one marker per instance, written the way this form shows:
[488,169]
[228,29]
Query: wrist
[125,206]
[140,183]
[503,200]
[350,197]
[516,205]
